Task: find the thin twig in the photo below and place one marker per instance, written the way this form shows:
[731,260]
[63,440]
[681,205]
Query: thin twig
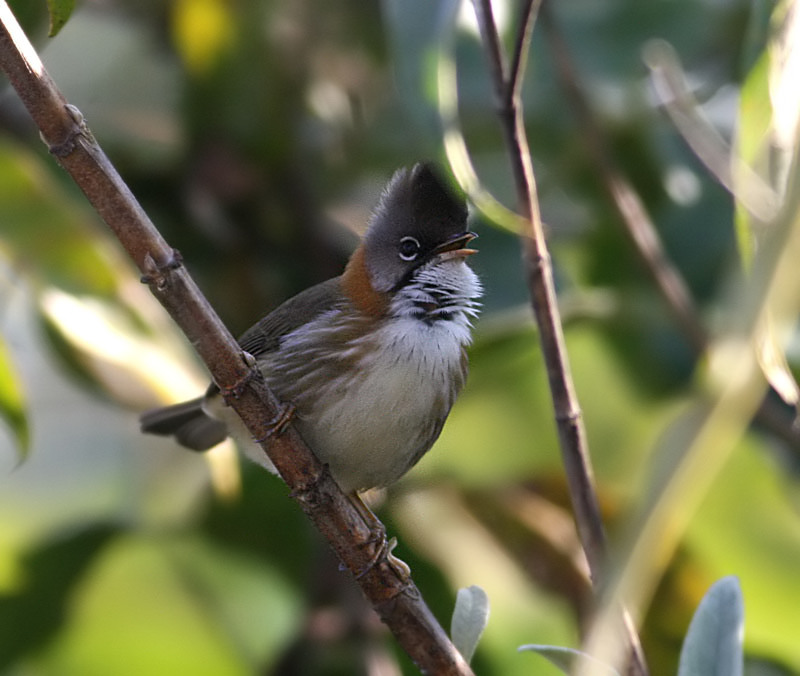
[397,600]
[568,416]
[522,44]
[642,232]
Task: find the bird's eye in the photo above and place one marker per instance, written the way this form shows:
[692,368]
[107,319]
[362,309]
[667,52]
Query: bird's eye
[409,248]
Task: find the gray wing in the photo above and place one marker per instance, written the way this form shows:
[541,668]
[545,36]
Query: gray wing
[265,336]
[188,421]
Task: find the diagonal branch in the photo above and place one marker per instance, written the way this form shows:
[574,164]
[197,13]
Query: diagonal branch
[395,598]
[569,419]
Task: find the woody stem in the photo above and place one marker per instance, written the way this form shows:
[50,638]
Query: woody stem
[569,419]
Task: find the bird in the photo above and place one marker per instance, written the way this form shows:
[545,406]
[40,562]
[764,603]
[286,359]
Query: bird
[371,361]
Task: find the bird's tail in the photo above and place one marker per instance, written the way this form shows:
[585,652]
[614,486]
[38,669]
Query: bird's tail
[188,422]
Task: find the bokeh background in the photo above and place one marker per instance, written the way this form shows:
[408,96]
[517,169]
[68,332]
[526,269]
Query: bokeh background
[257,134]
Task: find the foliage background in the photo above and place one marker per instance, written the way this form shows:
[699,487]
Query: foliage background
[257,134]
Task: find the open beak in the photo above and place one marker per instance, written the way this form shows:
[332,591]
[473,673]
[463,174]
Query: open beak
[455,247]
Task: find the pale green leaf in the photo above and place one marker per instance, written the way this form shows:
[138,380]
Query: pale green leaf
[713,645]
[470,617]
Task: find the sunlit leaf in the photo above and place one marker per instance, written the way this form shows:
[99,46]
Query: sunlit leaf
[12,402]
[104,346]
[751,138]
[784,52]
[203,30]
[60,11]
[470,617]
[775,366]
[713,645]
[766,139]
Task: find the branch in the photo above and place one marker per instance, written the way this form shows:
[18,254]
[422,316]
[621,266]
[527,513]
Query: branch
[395,598]
[540,280]
[568,416]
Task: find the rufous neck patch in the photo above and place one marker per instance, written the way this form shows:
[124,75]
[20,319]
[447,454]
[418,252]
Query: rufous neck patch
[357,286]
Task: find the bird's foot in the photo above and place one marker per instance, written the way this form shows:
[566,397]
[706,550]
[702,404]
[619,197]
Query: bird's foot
[280,423]
[383,547]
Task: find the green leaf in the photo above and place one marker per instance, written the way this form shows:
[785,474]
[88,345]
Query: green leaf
[60,11]
[713,645]
[37,606]
[12,402]
[564,657]
[470,617]
[48,232]
[161,605]
[251,604]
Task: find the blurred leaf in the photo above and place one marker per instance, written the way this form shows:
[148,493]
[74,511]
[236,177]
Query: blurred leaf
[107,350]
[253,605]
[748,525]
[752,133]
[773,362]
[38,607]
[769,114]
[203,30]
[107,329]
[155,606]
[784,52]
[470,617]
[502,428]
[414,30]
[12,402]
[49,233]
[506,386]
[713,645]
[563,658]
[60,11]
[438,524]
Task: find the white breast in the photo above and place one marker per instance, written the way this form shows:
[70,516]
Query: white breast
[374,427]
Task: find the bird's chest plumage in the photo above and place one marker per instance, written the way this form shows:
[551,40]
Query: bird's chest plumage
[372,393]
[372,404]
